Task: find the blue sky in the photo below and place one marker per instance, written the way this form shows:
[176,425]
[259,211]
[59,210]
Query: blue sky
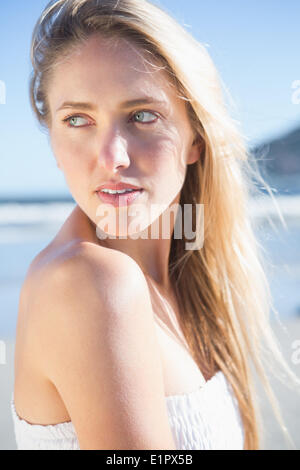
[254,44]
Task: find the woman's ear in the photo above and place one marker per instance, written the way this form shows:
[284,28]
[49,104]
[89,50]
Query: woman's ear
[196,150]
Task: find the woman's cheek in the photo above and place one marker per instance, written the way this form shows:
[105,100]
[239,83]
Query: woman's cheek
[71,155]
[159,153]
[166,157]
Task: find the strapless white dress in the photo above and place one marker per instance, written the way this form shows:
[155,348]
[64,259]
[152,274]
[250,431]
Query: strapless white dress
[205,419]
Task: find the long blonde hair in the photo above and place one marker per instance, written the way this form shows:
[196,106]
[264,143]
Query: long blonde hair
[222,288]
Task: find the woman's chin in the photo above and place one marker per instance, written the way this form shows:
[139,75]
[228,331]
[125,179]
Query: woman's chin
[131,231]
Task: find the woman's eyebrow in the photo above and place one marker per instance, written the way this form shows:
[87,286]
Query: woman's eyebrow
[124,105]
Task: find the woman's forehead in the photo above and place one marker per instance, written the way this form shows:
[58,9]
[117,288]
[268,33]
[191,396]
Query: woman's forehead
[101,67]
[120,60]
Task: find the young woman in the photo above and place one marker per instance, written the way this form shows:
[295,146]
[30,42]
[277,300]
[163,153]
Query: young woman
[126,340]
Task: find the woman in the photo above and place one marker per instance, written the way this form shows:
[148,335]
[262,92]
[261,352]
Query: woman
[127,340]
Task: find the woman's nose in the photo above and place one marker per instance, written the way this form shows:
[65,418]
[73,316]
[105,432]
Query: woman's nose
[112,153]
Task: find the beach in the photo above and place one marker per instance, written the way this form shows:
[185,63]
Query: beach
[288,398]
[25,230]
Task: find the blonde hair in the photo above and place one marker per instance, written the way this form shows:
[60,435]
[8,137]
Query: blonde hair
[222,288]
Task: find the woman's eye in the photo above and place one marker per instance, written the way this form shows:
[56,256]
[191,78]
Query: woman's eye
[141,117]
[72,120]
[142,114]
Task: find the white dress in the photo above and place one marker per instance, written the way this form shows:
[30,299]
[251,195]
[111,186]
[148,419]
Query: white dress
[205,419]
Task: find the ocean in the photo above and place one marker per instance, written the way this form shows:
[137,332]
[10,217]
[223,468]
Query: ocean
[25,229]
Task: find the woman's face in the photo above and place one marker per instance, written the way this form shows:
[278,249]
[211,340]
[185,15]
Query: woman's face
[146,144]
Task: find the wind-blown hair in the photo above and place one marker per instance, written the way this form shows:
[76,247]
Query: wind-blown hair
[222,288]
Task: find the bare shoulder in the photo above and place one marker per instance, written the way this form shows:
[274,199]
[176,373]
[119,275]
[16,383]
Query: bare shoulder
[92,327]
[81,273]
[73,262]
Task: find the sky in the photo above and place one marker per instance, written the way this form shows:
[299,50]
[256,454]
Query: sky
[253,43]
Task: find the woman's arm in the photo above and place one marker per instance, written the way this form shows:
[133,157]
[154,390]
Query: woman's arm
[91,323]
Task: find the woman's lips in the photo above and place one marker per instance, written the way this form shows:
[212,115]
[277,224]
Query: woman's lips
[119,200]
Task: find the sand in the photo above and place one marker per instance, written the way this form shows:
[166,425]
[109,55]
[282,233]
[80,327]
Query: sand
[289,400]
